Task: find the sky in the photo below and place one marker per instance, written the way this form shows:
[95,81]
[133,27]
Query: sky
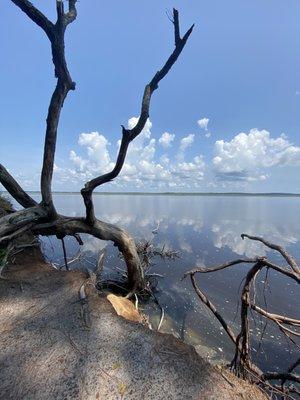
[226,117]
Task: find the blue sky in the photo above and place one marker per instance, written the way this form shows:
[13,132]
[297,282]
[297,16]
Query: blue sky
[240,70]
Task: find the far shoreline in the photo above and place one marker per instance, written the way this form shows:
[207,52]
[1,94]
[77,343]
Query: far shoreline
[220,194]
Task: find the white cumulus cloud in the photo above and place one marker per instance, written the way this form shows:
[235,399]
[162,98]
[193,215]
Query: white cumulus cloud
[143,168]
[186,142]
[203,123]
[248,155]
[166,139]
[96,146]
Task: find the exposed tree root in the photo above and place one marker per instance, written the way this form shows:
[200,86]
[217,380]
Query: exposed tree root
[242,363]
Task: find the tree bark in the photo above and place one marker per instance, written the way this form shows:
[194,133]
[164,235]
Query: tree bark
[101,230]
[12,186]
[43,219]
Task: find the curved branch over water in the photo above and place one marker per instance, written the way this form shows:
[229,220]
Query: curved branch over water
[43,218]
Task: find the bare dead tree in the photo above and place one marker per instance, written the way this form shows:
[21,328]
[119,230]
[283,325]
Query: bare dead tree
[43,219]
[290,327]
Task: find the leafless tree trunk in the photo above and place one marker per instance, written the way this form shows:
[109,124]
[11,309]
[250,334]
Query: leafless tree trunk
[43,218]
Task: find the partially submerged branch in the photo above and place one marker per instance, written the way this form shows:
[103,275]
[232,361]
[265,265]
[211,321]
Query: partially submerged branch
[242,362]
[212,308]
[62,226]
[147,251]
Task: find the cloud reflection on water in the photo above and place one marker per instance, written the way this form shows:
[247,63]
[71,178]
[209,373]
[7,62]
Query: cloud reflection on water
[206,230]
[199,222]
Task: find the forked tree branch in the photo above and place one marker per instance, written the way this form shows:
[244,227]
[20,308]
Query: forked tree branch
[43,219]
[71,15]
[130,134]
[36,16]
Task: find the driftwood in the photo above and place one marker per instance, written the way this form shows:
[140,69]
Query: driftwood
[242,363]
[43,219]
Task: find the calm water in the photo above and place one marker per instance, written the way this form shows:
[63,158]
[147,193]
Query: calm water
[206,231]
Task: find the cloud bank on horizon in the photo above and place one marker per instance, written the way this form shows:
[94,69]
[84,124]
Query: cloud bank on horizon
[246,158]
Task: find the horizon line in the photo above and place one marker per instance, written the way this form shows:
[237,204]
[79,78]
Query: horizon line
[173,193]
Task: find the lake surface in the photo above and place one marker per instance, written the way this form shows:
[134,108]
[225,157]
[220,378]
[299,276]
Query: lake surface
[206,231]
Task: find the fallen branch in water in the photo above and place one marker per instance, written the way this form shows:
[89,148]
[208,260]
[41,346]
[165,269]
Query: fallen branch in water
[147,251]
[242,363]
